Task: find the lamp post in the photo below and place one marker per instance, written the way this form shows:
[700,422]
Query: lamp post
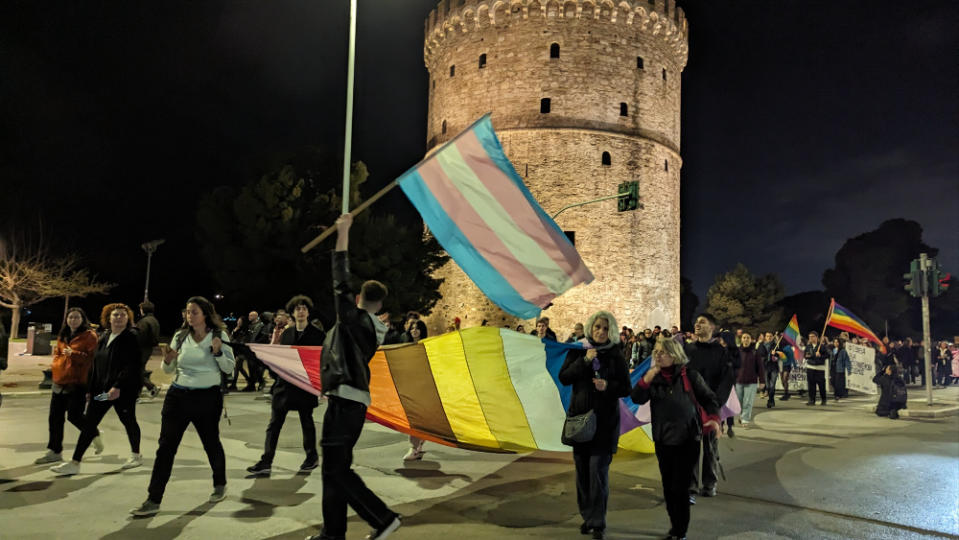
[149,247]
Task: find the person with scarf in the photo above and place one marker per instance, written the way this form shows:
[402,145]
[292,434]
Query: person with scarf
[72,357]
[842,367]
[599,377]
[674,390]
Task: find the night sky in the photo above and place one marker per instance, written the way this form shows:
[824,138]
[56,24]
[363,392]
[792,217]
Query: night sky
[804,123]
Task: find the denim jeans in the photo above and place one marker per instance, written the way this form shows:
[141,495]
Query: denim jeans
[746,394]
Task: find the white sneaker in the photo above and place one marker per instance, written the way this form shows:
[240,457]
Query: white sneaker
[97,445]
[381,534]
[49,457]
[135,461]
[413,455]
[67,468]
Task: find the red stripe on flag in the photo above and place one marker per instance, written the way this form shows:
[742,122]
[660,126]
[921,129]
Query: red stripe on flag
[310,357]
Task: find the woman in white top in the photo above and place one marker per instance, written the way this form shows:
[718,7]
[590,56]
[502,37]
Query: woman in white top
[198,356]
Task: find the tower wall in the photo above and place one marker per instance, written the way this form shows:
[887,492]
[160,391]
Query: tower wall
[634,255]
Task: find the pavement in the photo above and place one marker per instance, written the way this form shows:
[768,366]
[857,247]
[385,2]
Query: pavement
[824,472]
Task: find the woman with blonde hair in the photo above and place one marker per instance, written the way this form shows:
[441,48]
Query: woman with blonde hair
[599,377]
[114,382]
[674,390]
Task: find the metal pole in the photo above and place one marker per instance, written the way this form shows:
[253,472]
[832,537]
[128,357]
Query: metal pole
[606,198]
[926,334]
[146,287]
[349,109]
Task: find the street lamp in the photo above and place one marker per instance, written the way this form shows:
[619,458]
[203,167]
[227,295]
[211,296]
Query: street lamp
[149,247]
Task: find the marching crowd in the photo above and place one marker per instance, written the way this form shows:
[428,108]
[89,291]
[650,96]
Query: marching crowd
[687,379]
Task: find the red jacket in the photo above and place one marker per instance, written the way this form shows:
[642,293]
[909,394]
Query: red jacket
[74,367]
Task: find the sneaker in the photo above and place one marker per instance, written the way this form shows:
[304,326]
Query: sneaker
[692,499]
[219,493]
[148,508]
[599,534]
[325,537]
[584,528]
[729,431]
[97,445]
[135,461]
[413,455]
[810,403]
[260,468]
[67,468]
[155,391]
[310,464]
[49,457]
[708,491]
[381,534]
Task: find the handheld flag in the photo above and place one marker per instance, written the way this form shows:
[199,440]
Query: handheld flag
[791,333]
[479,210]
[843,319]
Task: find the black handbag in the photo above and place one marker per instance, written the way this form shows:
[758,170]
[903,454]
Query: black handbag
[580,428]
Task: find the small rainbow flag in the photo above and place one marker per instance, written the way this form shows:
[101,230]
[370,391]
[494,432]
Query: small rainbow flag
[791,333]
[843,319]
[483,388]
[479,210]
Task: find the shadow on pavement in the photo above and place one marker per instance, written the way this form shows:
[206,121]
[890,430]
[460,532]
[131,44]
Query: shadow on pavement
[427,474]
[139,528]
[267,493]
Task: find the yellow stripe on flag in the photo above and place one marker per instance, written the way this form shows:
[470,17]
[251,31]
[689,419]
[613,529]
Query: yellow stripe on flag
[494,388]
[455,386]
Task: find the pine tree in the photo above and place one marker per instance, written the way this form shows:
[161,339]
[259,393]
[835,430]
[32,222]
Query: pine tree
[740,299]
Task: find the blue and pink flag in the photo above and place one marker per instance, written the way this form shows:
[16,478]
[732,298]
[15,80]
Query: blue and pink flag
[479,210]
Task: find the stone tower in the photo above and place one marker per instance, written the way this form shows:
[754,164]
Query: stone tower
[585,94]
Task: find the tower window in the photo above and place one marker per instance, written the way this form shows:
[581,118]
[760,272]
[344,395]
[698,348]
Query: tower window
[664,74]
[452,70]
[639,62]
[554,50]
[666,165]
[607,160]
[544,105]
[434,84]
[482,61]
[623,109]
[443,129]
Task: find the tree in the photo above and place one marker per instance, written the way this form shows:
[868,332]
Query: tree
[738,298]
[250,239]
[810,308]
[29,275]
[867,277]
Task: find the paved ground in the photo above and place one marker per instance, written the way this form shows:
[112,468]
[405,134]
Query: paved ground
[829,472]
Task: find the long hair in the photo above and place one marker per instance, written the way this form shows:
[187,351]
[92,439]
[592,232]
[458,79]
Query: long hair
[213,321]
[610,320]
[65,333]
[110,308]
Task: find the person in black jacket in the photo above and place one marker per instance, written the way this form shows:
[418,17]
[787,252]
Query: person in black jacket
[599,377]
[892,392]
[288,397]
[148,336]
[4,344]
[717,364]
[114,382]
[345,378]
[676,424]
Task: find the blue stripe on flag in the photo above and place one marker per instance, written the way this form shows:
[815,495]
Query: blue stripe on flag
[449,235]
[555,356]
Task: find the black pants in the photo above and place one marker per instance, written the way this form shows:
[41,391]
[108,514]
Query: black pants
[70,404]
[239,370]
[772,377]
[710,465]
[592,487]
[125,407]
[277,417]
[201,407]
[676,464]
[144,358]
[839,384]
[785,379]
[816,378]
[342,424]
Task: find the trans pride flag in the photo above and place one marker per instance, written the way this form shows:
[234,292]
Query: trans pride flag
[479,210]
[482,388]
[843,319]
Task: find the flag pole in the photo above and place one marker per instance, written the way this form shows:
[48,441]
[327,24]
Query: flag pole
[359,209]
[347,146]
[832,305]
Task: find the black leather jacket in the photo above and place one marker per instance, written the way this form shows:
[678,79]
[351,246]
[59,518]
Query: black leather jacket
[351,343]
[289,396]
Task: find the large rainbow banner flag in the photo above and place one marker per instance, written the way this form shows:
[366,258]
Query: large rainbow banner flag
[479,210]
[843,319]
[483,388]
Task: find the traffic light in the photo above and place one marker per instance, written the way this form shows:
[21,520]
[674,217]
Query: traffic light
[913,279]
[938,281]
[631,199]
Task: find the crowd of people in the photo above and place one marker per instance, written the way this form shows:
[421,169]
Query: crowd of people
[689,376]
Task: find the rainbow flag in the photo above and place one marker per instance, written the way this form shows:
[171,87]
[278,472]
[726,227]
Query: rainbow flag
[843,319]
[791,333]
[482,388]
[479,210]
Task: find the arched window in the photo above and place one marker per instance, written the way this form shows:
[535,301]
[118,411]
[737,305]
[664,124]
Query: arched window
[623,109]
[452,70]
[544,105]
[482,61]
[607,160]
[639,62]
[554,50]
[444,127]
